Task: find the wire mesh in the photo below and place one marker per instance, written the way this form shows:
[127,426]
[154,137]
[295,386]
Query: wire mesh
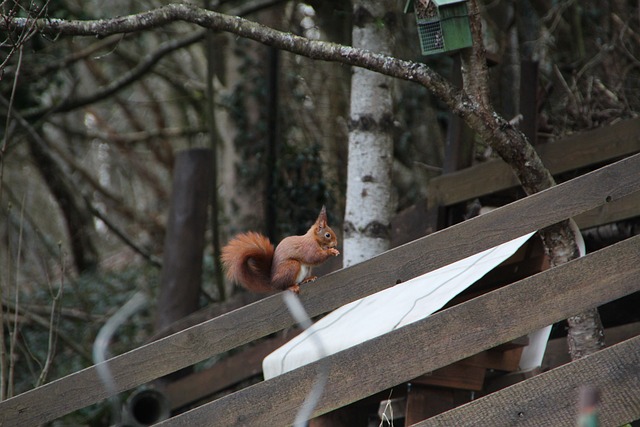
[431,38]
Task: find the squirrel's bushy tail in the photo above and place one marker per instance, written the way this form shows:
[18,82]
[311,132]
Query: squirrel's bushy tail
[247,259]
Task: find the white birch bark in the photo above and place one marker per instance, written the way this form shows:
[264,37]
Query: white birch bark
[369,200]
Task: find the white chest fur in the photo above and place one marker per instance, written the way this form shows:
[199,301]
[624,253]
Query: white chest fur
[305,270]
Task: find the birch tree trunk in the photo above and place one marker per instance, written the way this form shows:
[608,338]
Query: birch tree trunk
[370,159]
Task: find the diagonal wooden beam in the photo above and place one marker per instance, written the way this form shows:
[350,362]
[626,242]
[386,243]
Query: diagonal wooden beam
[269,315]
[434,342]
[586,148]
[552,397]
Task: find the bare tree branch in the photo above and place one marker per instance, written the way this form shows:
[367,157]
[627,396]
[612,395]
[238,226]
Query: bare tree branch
[118,84]
[54,321]
[31,316]
[25,33]
[585,334]
[475,73]
[43,71]
[509,142]
[154,261]
[144,136]
[216,21]
[79,224]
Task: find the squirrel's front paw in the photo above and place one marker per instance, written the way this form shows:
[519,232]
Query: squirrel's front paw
[334,251]
[309,280]
[294,288]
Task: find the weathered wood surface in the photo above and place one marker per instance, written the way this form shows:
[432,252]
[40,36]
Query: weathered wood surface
[467,374]
[457,375]
[207,313]
[434,342]
[424,402]
[557,354]
[573,152]
[507,360]
[550,399]
[223,374]
[269,315]
[628,207]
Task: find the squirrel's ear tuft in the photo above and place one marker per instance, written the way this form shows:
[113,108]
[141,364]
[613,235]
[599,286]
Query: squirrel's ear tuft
[322,217]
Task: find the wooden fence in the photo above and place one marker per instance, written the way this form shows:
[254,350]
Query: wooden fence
[574,152]
[424,346]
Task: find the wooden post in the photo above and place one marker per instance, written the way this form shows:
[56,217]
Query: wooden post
[458,154]
[184,242]
[424,402]
[529,99]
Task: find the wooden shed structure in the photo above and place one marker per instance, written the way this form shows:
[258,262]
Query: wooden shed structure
[443,360]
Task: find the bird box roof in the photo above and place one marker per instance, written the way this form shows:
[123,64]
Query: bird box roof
[408,7]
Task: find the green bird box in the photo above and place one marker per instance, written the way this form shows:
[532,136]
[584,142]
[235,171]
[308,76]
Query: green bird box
[443,25]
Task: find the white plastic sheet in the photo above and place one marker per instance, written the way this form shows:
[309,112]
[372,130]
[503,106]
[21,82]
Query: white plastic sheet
[393,308]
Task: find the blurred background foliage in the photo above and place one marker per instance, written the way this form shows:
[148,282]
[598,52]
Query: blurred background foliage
[90,129]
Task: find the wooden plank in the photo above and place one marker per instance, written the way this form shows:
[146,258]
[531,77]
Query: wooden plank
[557,353]
[551,398]
[573,152]
[434,342]
[348,416]
[508,360]
[457,375]
[628,207]
[424,402]
[207,313]
[269,315]
[223,374]
[590,148]
[499,382]
[514,343]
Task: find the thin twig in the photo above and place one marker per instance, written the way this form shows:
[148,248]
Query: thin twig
[428,167]
[3,353]
[3,356]
[124,81]
[7,128]
[122,236]
[384,416]
[30,316]
[14,333]
[70,313]
[213,142]
[54,319]
[134,137]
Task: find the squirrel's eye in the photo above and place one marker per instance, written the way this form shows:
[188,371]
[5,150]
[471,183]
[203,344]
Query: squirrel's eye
[327,235]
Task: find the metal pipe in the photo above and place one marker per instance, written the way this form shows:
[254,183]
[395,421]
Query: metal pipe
[145,407]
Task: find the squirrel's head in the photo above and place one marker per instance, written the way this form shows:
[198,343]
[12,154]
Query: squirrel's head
[324,235]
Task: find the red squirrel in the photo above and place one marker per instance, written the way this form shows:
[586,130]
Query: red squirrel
[251,260]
